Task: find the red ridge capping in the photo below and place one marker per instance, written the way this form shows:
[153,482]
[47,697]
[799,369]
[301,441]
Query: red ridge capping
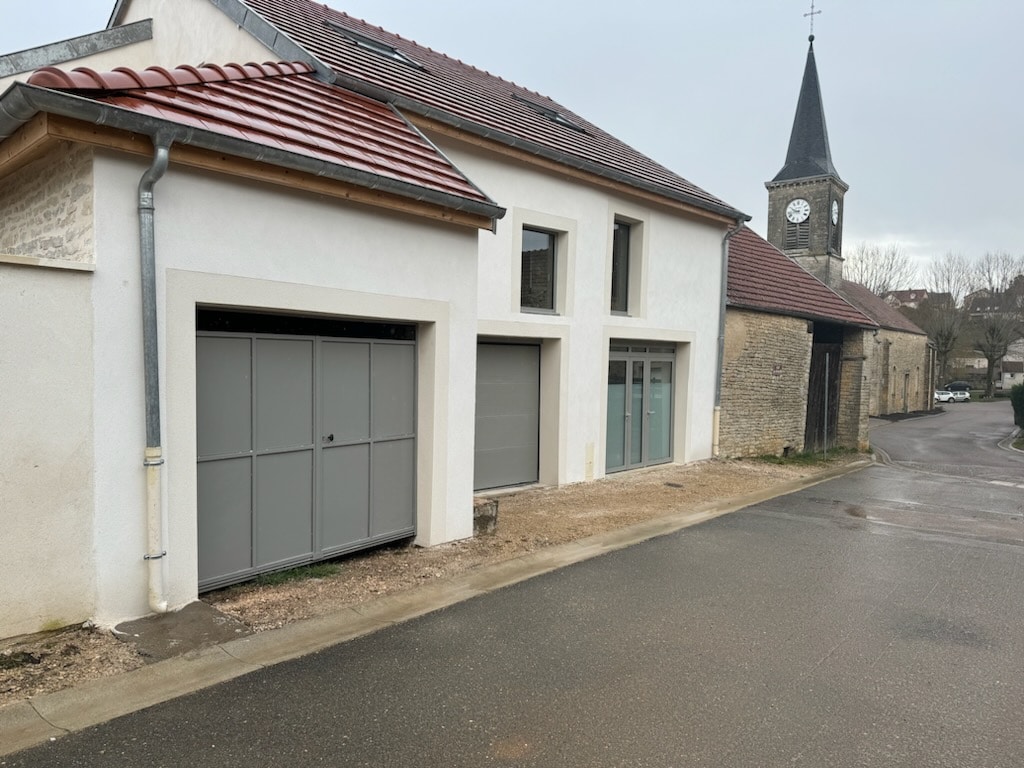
[124,78]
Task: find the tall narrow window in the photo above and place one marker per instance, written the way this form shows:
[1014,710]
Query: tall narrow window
[537,290]
[620,267]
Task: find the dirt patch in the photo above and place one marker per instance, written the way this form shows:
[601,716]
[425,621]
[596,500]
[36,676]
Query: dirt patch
[528,520]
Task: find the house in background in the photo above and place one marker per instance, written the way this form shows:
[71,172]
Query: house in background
[320,227]
[1011,374]
[806,214]
[913,297]
[984,302]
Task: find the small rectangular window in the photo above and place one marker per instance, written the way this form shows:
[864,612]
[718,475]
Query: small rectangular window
[537,290]
[620,267]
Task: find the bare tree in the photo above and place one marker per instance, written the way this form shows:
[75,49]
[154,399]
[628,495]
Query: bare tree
[995,272]
[992,335]
[880,268]
[998,321]
[939,317]
[951,274]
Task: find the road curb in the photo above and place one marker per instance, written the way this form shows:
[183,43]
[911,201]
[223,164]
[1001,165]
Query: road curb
[49,716]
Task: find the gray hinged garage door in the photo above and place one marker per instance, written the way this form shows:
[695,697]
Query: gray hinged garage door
[306,448]
[507,415]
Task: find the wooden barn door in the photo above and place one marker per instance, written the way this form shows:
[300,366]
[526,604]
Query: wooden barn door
[823,397]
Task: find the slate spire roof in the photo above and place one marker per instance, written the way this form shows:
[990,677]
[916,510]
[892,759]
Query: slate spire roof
[809,155]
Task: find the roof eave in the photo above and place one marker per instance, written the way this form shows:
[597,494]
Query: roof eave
[777,182]
[786,312]
[23,102]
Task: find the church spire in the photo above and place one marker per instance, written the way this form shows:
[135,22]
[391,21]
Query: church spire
[809,155]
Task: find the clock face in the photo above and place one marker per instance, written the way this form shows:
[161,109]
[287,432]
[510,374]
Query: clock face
[798,210]
[835,211]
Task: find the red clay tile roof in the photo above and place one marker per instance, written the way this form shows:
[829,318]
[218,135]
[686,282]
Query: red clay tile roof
[763,278]
[883,313]
[449,90]
[279,106]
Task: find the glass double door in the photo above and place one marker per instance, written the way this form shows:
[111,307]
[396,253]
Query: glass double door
[639,408]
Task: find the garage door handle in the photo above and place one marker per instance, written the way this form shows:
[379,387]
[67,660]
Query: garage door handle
[329,438]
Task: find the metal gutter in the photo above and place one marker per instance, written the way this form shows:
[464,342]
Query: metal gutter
[22,102]
[153,456]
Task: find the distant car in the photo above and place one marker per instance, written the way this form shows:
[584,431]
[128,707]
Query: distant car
[958,386]
[961,397]
[944,396]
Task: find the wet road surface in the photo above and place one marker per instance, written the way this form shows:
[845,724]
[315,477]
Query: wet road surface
[873,620]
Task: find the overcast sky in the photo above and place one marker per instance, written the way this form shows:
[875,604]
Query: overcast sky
[924,99]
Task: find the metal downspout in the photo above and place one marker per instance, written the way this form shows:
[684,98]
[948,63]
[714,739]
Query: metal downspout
[153,458]
[717,414]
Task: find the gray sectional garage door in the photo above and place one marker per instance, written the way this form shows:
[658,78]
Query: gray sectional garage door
[507,415]
[306,446]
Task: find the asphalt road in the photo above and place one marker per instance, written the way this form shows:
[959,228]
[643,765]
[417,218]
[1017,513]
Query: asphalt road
[873,620]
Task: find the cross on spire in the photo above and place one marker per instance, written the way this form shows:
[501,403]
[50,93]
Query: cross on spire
[812,14]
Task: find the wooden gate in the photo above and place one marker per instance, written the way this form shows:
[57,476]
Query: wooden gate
[823,397]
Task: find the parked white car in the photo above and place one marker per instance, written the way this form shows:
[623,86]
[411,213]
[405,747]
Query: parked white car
[961,397]
[945,396]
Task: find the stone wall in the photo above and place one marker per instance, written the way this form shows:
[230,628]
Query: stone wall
[764,384]
[900,365]
[854,391]
[47,208]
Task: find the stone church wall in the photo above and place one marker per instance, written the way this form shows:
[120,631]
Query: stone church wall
[764,384]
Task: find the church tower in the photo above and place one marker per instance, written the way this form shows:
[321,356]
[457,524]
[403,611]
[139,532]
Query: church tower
[805,199]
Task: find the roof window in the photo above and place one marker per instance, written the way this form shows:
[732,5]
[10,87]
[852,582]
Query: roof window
[551,114]
[369,44]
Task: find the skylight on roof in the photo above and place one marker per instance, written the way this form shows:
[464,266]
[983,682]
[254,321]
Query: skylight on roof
[551,114]
[369,44]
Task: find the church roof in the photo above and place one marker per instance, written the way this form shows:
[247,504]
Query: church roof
[764,279]
[461,98]
[809,155]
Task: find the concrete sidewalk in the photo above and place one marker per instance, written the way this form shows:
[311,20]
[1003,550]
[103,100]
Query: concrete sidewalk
[49,716]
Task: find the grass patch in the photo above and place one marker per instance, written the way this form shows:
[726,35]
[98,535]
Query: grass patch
[314,571]
[809,458]
[1019,443]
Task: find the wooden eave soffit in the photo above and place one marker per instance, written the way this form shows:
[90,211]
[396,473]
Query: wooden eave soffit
[38,135]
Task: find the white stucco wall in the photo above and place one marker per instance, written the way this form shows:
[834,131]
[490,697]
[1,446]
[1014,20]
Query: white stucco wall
[232,243]
[46,440]
[679,303]
[46,449]
[184,32]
